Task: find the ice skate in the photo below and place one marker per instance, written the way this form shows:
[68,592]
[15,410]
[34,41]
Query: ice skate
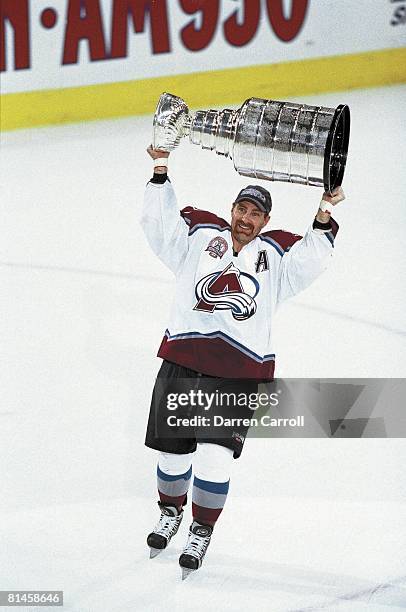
[195,549]
[165,529]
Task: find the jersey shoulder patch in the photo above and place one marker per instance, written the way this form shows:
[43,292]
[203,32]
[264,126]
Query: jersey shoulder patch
[280,239]
[197,219]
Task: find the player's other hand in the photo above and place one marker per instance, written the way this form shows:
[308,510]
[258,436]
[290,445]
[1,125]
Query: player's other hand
[327,203]
[337,196]
[156,153]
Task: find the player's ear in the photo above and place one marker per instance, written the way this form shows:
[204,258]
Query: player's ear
[266,219]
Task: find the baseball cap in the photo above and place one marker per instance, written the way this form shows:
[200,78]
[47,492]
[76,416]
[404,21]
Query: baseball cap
[258,196]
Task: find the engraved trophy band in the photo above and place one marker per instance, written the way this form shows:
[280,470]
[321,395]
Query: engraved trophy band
[266,139]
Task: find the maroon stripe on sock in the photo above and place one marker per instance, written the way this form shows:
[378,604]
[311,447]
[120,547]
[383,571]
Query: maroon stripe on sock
[173,501]
[206,516]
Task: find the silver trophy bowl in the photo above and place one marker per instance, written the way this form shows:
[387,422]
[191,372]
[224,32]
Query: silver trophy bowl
[266,139]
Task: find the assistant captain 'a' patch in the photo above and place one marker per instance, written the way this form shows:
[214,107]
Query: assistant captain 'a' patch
[262,262]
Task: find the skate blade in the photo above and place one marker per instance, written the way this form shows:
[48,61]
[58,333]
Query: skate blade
[186,571]
[154,552]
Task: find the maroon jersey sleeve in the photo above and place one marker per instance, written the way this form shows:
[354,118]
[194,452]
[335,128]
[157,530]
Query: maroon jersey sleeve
[282,238]
[197,219]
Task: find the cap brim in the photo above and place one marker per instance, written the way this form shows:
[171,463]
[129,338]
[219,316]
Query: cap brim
[253,201]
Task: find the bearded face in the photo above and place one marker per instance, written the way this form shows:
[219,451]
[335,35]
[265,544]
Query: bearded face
[247,220]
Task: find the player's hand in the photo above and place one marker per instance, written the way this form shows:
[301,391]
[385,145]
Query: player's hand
[337,196]
[328,202]
[156,153]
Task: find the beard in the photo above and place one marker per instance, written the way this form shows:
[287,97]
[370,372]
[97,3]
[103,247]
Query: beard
[243,235]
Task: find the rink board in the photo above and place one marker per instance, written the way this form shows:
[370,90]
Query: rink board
[203,89]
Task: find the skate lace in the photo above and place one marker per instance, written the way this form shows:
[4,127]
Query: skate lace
[167,524]
[196,545]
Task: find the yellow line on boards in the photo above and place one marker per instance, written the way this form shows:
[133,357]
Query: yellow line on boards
[204,89]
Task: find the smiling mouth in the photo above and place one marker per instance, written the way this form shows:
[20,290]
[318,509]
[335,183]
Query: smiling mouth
[244,228]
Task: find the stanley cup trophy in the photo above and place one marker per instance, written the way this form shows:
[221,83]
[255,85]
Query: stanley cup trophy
[266,139]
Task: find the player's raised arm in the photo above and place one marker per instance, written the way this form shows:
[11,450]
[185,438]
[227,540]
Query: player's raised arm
[164,228]
[309,257]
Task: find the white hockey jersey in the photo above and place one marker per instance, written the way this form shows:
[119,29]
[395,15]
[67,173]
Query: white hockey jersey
[221,318]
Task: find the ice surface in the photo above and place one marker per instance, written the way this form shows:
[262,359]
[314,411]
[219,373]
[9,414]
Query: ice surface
[309,524]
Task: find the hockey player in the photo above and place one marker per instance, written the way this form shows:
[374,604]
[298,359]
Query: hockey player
[230,278]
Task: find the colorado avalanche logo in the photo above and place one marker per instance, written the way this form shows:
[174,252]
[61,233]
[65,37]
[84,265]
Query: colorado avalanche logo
[217,247]
[230,289]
